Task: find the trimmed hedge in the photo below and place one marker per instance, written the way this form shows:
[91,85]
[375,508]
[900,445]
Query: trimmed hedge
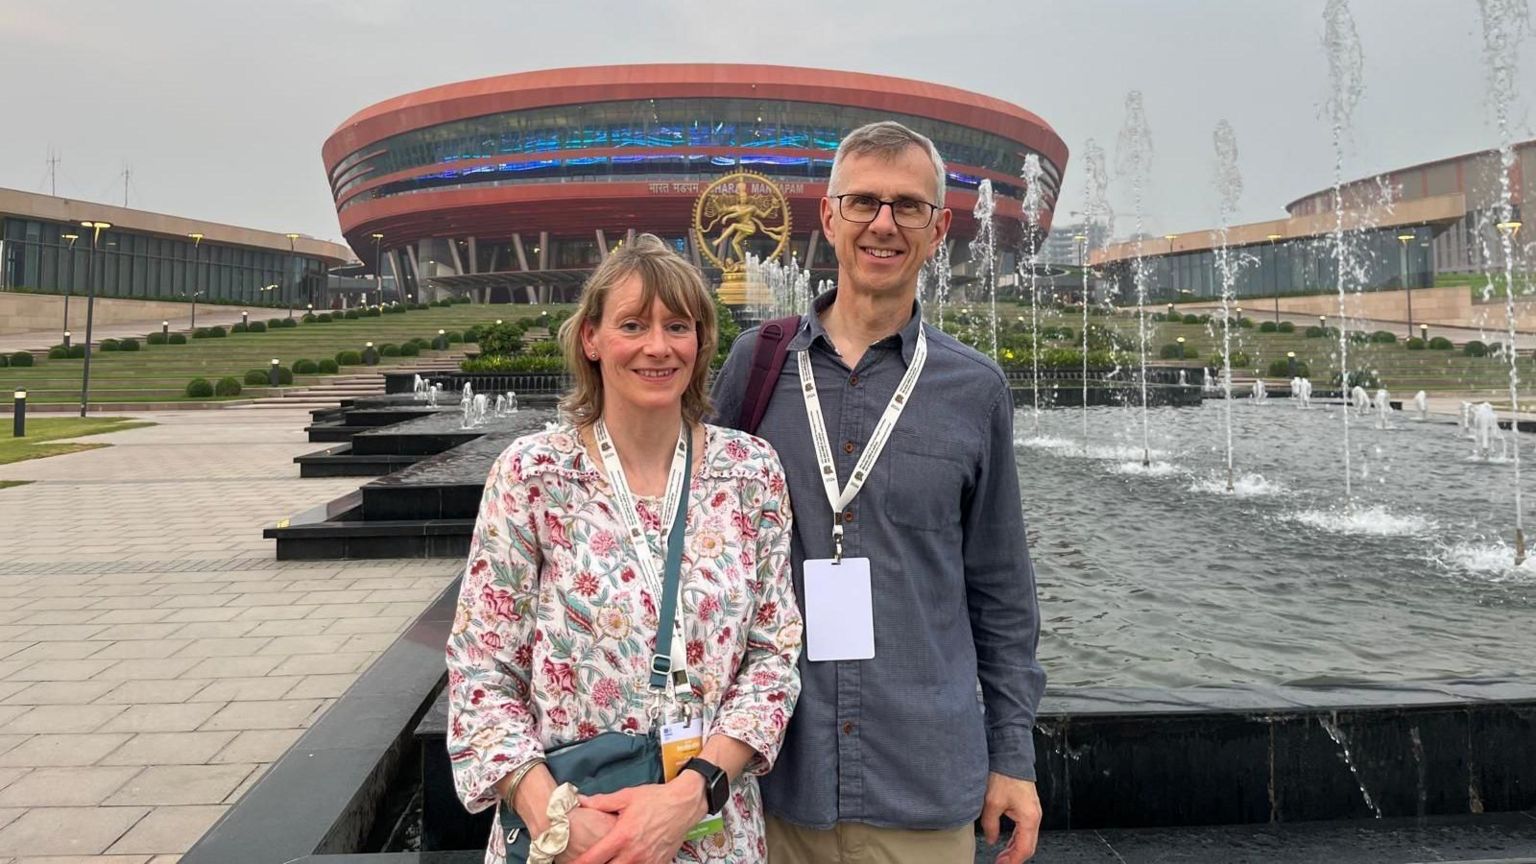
[305,367]
[5,360]
[1384,337]
[371,312]
[257,327]
[327,366]
[1174,351]
[256,377]
[199,388]
[454,337]
[307,317]
[1269,327]
[284,375]
[1281,368]
[178,338]
[77,352]
[107,345]
[410,349]
[389,349]
[323,318]
[155,339]
[201,333]
[535,364]
[1316,332]
[128,345]
[349,358]
[350,315]
[229,385]
[275,322]
[287,322]
[1287,327]
[22,358]
[58,352]
[1414,343]
[238,328]
[394,309]
[1240,360]
[1474,348]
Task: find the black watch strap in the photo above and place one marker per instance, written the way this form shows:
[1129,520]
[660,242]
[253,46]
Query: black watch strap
[717,786]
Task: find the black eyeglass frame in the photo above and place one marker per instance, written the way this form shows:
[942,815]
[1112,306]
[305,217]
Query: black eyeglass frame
[933,209]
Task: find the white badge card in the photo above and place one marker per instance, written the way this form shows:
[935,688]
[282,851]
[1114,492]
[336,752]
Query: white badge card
[839,610]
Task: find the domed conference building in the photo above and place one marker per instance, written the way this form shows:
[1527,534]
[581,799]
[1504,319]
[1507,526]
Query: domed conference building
[513,188]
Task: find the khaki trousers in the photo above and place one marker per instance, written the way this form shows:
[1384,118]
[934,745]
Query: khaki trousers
[857,843]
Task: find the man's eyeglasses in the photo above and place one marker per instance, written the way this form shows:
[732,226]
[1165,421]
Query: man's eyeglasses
[907,212]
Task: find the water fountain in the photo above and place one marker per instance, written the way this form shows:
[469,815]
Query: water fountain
[1033,204]
[1260,393]
[418,388]
[1484,426]
[1360,399]
[984,255]
[467,407]
[1229,186]
[1301,391]
[1383,408]
[1097,211]
[432,394]
[1133,158]
[1421,405]
[1345,70]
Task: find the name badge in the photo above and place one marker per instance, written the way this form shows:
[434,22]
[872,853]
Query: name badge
[839,610]
[680,742]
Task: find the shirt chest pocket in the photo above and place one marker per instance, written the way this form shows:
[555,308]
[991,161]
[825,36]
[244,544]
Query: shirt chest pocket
[927,478]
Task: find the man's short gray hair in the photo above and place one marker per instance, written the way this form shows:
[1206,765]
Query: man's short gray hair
[887,139]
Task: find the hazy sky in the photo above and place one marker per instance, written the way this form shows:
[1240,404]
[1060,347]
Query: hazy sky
[220,107]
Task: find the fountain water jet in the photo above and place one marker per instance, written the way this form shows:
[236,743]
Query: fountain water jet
[984,255]
[1133,157]
[1096,207]
[1229,186]
[1345,70]
[1033,203]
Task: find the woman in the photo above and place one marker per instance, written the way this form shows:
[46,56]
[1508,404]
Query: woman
[557,620]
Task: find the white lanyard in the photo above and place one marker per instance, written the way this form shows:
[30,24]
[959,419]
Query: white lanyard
[840,500]
[649,565]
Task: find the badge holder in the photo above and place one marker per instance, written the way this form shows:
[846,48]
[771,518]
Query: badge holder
[839,606]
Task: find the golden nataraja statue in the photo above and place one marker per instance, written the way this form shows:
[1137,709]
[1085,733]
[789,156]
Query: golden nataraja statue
[728,214]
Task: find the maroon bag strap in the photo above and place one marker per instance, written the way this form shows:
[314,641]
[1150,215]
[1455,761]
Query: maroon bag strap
[767,361]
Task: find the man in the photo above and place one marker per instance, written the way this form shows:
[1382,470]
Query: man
[889,759]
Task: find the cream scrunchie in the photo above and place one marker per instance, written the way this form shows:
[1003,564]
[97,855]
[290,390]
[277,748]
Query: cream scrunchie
[558,835]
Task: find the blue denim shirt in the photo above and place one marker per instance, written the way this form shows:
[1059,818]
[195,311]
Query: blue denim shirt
[900,740]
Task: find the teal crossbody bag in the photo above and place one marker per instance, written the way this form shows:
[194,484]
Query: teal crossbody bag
[617,760]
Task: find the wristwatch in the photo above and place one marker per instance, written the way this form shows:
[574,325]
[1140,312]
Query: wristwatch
[717,786]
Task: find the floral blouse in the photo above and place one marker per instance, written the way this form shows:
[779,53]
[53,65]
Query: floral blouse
[556,624]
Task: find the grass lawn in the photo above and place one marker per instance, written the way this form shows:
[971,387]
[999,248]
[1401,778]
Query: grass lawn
[6,484]
[46,437]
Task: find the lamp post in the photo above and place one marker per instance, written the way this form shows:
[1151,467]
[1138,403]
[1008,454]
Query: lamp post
[1322,321]
[291,257]
[1180,340]
[197,241]
[90,310]
[19,411]
[69,283]
[1424,334]
[1290,362]
[1402,265]
[1272,238]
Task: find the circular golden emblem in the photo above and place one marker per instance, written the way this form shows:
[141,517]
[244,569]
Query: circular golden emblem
[733,210]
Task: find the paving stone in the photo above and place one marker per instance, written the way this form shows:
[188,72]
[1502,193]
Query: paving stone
[57,651]
[237,647]
[357,626]
[257,746]
[7,816]
[65,787]
[231,667]
[162,718]
[173,748]
[59,718]
[215,629]
[275,613]
[138,631]
[148,615]
[291,627]
[11,712]
[73,604]
[323,664]
[68,830]
[9,741]
[84,859]
[353,610]
[58,693]
[58,670]
[146,670]
[169,829]
[180,784]
[291,645]
[153,692]
[48,751]
[249,689]
[9,775]
[198,614]
[277,714]
[7,649]
[141,649]
[321,686]
[189,601]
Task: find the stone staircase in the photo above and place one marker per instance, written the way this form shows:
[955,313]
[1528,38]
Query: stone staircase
[333,389]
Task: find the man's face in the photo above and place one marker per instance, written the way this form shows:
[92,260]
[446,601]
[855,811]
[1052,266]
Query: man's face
[882,257]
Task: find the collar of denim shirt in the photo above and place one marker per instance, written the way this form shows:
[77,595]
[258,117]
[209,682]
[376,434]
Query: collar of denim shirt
[812,330]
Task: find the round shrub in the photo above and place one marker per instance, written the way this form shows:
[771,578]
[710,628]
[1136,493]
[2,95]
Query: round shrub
[1245,323]
[421,306]
[5,360]
[284,375]
[1171,351]
[305,367]
[350,315]
[217,332]
[394,309]
[107,345]
[239,328]
[257,327]
[370,312]
[323,318]
[410,349]
[275,322]
[1281,368]
[547,349]
[349,358]
[327,366]
[22,358]
[389,349]
[178,338]
[307,317]
[472,335]
[288,322]
[200,333]
[58,352]
[501,339]
[1287,327]
[229,385]
[199,388]
[1414,343]
[1384,337]
[155,339]
[77,352]
[1191,318]
[1316,332]
[454,337]
[1268,327]
[1474,348]
[256,377]
[1359,337]
[128,345]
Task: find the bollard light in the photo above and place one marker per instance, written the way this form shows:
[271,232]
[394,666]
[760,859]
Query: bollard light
[1424,333]
[1180,340]
[272,376]
[498,322]
[245,318]
[370,356]
[20,409]
[165,331]
[66,338]
[1290,362]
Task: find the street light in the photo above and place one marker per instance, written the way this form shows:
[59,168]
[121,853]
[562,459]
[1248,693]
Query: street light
[1272,238]
[69,283]
[197,240]
[90,310]
[1402,264]
[291,238]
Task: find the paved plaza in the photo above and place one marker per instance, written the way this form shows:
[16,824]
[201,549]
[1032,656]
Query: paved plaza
[154,657]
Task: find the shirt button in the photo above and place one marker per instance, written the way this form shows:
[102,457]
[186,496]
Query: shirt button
[848,727]
[847,516]
[853,381]
[847,446]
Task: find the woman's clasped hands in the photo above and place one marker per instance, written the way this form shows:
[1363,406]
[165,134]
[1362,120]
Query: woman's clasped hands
[648,823]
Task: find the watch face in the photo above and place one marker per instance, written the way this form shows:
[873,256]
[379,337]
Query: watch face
[719,791]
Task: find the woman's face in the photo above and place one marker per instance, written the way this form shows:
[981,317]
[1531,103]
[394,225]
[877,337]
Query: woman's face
[646,356]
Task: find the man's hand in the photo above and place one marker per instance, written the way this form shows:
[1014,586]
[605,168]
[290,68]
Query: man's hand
[1019,801]
[652,821]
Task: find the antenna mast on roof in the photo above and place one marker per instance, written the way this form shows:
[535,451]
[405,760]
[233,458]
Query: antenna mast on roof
[53,173]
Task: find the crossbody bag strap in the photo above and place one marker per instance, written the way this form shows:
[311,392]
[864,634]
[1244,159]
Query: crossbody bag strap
[661,661]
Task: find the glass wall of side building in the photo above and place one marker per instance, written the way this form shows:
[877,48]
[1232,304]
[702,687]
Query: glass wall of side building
[35,256]
[1286,267]
[747,125]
